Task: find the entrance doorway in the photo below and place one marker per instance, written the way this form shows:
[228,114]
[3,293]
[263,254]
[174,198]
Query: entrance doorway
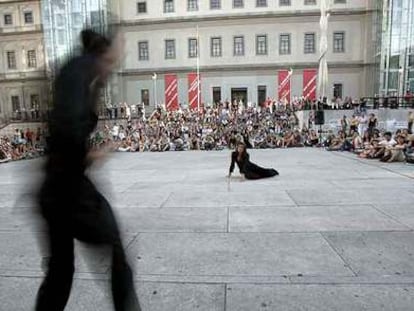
[239,94]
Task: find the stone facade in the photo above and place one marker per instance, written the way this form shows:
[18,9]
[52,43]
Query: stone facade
[151,22]
[23,83]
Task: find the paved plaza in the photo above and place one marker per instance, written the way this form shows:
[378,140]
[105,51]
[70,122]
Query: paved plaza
[330,233]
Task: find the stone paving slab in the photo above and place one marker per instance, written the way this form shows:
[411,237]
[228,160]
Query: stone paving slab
[376,253]
[404,213]
[366,196]
[135,220]
[19,294]
[229,198]
[23,251]
[319,298]
[235,254]
[311,219]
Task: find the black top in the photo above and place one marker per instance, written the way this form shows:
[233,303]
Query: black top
[73,118]
[372,122]
[242,164]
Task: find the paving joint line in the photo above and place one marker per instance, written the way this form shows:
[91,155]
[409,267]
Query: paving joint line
[225,296]
[339,255]
[391,217]
[166,200]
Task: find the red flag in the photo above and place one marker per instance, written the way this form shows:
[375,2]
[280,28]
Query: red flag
[284,85]
[193,90]
[171,92]
[309,83]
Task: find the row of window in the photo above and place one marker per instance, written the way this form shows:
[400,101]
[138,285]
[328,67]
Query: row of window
[216,49]
[17,107]
[31,59]
[193,5]
[261,93]
[28,18]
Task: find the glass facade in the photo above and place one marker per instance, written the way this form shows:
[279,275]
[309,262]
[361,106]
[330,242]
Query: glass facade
[63,20]
[397,48]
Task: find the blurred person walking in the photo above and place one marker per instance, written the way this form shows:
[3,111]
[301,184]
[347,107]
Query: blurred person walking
[69,202]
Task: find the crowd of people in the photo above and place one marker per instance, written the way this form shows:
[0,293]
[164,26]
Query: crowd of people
[23,144]
[223,127]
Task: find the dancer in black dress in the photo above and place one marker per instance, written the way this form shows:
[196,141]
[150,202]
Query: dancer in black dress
[248,169]
[69,202]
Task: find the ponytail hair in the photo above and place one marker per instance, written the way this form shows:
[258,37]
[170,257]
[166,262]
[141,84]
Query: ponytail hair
[94,43]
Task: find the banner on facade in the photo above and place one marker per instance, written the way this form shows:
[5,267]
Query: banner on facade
[193,90]
[284,85]
[309,83]
[171,92]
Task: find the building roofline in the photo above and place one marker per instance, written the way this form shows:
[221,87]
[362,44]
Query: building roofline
[18,1]
[231,68]
[4,81]
[239,16]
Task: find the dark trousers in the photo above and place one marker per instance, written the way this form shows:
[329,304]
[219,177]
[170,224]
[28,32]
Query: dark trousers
[91,222]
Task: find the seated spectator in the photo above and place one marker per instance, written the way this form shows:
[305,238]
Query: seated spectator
[312,139]
[395,153]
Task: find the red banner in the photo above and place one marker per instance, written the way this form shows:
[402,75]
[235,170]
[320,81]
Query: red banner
[284,85]
[193,91]
[309,83]
[171,92]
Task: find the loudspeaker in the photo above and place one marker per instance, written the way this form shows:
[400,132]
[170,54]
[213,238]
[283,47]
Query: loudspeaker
[319,117]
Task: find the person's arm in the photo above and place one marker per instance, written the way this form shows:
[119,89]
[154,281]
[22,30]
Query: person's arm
[232,164]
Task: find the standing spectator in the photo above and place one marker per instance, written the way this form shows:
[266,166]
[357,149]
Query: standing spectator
[127,112]
[372,124]
[410,122]
[344,124]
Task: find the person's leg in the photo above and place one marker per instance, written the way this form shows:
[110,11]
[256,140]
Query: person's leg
[123,289]
[54,292]
[107,232]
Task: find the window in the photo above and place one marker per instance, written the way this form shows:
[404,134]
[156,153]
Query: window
[215,4]
[28,17]
[309,45]
[284,2]
[192,5]
[31,59]
[237,4]
[192,47]
[168,6]
[216,47]
[11,60]
[339,1]
[216,94]
[143,53]
[261,3]
[284,44]
[145,96]
[339,42]
[310,2]
[261,45]
[34,101]
[61,37]
[238,46]
[169,49]
[141,7]
[15,100]
[411,60]
[337,90]
[96,18]
[261,94]
[8,19]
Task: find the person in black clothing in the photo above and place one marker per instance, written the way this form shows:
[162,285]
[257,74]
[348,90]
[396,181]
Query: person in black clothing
[248,169]
[372,124]
[69,202]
